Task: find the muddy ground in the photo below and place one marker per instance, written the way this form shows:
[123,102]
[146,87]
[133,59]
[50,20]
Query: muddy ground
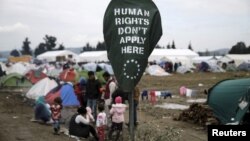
[154,123]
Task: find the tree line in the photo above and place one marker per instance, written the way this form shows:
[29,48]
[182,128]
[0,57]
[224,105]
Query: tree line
[49,44]
[240,48]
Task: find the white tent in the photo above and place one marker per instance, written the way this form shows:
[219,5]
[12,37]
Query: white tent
[156,70]
[237,58]
[94,56]
[41,88]
[20,68]
[183,69]
[175,55]
[106,67]
[198,60]
[90,67]
[185,61]
[61,55]
[157,54]
[3,66]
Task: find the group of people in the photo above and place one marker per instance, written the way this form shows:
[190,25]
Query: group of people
[81,124]
[102,109]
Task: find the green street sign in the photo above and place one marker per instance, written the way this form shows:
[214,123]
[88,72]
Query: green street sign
[131,30]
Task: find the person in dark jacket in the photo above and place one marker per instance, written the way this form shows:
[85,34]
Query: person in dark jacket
[93,87]
[80,125]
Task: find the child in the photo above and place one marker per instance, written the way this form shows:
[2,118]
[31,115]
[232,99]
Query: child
[56,108]
[101,122]
[89,113]
[117,112]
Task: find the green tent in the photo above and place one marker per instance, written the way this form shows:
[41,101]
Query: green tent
[230,99]
[14,80]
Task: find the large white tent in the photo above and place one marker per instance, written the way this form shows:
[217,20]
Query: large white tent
[59,55]
[174,55]
[94,56]
[198,60]
[157,54]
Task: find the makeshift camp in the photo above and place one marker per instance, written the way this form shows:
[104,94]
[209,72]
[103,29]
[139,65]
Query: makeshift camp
[66,92]
[230,99]
[15,80]
[41,88]
[35,75]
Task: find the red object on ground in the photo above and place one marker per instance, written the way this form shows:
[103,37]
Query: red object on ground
[152,97]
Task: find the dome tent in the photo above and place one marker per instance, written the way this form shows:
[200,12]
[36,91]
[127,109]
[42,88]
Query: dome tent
[15,80]
[41,88]
[230,100]
[67,94]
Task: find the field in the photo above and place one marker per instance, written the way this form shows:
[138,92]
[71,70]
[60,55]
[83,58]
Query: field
[154,123]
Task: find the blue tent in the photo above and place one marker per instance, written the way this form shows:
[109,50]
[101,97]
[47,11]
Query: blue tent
[67,94]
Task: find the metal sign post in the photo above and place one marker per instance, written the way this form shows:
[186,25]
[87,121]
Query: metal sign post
[131,116]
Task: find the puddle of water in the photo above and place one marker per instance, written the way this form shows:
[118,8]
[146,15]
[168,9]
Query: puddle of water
[199,100]
[173,106]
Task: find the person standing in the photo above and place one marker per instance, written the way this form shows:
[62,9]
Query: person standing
[117,112]
[92,92]
[101,122]
[56,108]
[110,88]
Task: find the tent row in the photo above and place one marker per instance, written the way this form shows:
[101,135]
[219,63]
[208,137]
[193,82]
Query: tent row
[184,56]
[101,56]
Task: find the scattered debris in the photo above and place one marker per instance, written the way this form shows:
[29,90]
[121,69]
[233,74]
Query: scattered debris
[199,114]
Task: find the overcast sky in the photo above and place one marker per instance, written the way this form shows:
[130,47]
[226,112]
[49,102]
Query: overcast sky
[207,24]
